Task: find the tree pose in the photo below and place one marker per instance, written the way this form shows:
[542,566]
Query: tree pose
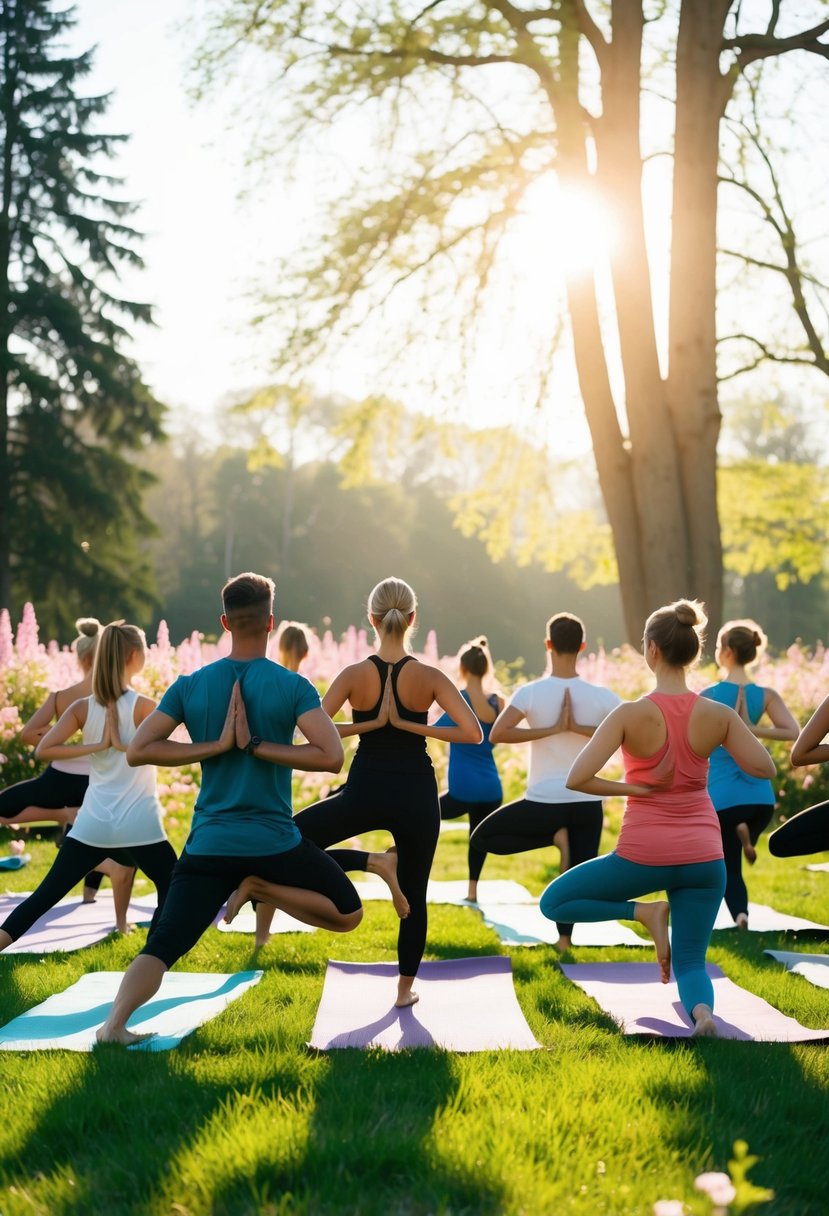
[474,784]
[241,713]
[744,804]
[807,832]
[670,838]
[562,710]
[120,815]
[391,783]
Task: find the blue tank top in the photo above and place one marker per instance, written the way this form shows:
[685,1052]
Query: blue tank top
[473,776]
[728,785]
[387,748]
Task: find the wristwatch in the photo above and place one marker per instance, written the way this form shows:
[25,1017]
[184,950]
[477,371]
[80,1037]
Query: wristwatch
[253,742]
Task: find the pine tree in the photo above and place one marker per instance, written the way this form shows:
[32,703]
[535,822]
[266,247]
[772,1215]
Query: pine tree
[73,406]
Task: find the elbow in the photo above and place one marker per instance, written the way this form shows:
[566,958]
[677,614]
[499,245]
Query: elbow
[41,751]
[133,756]
[798,758]
[335,759]
[474,734]
[29,738]
[495,735]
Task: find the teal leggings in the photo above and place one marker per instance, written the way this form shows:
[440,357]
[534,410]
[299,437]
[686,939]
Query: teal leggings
[604,888]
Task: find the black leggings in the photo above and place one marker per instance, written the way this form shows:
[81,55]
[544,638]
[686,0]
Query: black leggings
[75,859]
[53,790]
[805,833]
[201,884]
[452,808]
[521,826]
[403,803]
[756,817]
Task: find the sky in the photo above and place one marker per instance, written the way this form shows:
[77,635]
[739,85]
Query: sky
[214,230]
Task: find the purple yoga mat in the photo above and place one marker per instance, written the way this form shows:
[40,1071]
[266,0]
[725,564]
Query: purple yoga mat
[466,1004]
[72,924]
[633,995]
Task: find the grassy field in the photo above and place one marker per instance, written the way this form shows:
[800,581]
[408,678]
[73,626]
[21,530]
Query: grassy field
[242,1119]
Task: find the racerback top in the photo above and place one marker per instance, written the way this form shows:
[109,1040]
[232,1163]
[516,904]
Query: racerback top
[389,748]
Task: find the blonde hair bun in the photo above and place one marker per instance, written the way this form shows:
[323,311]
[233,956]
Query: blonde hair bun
[391,605]
[688,612]
[88,626]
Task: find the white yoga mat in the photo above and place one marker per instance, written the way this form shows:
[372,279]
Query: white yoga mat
[524,925]
[820,867]
[68,1020]
[453,891]
[454,825]
[72,924]
[813,967]
[466,1004]
[245,922]
[633,995]
[762,919]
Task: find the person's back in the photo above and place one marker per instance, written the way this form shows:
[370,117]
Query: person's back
[244,804]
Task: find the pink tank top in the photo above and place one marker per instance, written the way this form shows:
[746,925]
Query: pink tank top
[679,824]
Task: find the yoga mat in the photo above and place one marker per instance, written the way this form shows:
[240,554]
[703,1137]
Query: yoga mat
[635,998]
[762,919]
[813,967]
[68,1020]
[524,925]
[466,1004]
[245,922]
[450,825]
[72,924]
[15,862]
[453,891]
[820,867]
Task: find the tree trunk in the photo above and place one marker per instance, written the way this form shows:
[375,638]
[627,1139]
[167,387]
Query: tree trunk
[7,90]
[692,381]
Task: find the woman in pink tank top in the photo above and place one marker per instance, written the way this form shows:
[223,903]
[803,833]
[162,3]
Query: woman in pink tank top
[670,838]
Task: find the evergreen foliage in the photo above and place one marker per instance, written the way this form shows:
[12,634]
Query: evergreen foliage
[72,404]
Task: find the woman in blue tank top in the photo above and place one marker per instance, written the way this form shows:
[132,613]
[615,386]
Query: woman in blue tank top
[743,803]
[474,783]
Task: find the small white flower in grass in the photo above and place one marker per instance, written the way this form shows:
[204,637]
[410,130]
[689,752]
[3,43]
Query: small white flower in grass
[669,1207]
[717,1186]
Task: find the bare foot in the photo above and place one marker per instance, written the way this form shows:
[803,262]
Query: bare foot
[385,865]
[259,942]
[563,943]
[749,850]
[120,1035]
[472,893]
[126,928]
[89,894]
[654,917]
[237,900]
[405,999]
[704,1025]
[742,920]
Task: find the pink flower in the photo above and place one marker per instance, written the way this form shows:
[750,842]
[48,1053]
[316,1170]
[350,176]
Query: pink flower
[17,846]
[717,1186]
[669,1207]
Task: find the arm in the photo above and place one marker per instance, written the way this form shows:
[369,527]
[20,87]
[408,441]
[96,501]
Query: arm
[467,728]
[152,744]
[607,739]
[505,728]
[53,745]
[810,748]
[337,695]
[784,726]
[747,750]
[144,706]
[322,753]
[38,724]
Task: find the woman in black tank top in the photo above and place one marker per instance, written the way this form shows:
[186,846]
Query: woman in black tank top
[391,783]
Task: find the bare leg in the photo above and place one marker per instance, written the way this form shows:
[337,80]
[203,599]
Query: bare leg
[654,917]
[42,814]
[122,878]
[744,837]
[141,981]
[310,907]
[385,864]
[564,943]
[5,939]
[472,893]
[405,995]
[264,918]
[704,1024]
[742,920]
[561,840]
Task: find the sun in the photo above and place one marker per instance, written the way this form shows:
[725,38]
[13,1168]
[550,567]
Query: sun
[571,223]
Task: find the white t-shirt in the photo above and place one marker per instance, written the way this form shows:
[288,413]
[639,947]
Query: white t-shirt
[550,759]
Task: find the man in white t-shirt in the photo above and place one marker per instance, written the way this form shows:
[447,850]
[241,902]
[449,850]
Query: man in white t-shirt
[562,711]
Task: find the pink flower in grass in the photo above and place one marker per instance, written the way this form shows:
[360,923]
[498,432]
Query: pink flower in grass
[717,1186]
[17,846]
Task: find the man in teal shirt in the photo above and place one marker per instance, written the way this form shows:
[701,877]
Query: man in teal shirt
[240,713]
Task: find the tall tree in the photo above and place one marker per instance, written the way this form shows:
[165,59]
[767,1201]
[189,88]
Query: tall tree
[483,99]
[72,404]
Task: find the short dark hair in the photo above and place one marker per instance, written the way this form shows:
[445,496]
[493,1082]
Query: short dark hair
[566,633]
[247,601]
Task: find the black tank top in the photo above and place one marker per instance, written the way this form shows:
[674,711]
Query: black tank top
[387,747]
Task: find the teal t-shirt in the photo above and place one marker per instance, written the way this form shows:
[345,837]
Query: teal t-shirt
[244,805]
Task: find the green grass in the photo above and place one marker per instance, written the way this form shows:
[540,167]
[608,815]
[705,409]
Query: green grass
[243,1119]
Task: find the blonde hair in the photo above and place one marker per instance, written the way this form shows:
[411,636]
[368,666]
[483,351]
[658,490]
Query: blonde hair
[86,643]
[390,605]
[678,630]
[118,643]
[293,640]
[744,638]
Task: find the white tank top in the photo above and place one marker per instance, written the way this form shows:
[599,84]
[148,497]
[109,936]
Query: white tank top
[120,807]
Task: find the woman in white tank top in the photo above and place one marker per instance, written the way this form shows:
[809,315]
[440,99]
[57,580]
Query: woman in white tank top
[120,816]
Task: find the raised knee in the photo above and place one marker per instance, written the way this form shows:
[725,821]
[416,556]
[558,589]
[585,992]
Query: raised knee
[349,920]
